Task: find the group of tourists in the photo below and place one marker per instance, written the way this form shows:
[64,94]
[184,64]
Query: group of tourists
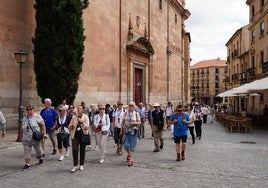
[67,126]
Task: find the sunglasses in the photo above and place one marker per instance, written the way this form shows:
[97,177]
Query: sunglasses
[101,108]
[130,105]
[29,109]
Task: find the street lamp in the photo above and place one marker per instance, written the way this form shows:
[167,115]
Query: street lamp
[20,58]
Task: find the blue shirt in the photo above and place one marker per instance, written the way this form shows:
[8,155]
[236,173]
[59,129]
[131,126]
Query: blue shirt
[49,115]
[180,128]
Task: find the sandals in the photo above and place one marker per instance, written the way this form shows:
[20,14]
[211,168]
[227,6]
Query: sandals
[130,163]
[128,158]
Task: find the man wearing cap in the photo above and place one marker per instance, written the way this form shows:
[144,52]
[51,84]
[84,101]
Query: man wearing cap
[158,126]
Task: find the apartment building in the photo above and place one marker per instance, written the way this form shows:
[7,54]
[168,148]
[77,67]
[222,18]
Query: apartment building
[207,80]
[247,58]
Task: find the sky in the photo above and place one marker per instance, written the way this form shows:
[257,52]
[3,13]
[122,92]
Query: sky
[211,24]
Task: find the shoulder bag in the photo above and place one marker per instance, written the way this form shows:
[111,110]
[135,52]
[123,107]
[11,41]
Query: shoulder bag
[37,135]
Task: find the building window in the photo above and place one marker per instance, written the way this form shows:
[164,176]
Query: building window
[217,85]
[253,34]
[216,70]
[160,4]
[176,19]
[262,28]
[252,11]
[262,3]
[262,57]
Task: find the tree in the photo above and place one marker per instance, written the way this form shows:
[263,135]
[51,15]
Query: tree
[58,48]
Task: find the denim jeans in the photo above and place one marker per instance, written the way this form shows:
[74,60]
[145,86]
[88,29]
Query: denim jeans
[130,142]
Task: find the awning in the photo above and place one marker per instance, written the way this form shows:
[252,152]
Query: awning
[257,85]
[261,84]
[228,93]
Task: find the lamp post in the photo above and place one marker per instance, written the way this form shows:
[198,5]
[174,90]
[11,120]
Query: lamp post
[20,58]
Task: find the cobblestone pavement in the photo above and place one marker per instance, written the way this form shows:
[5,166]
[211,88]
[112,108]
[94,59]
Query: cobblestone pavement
[220,159]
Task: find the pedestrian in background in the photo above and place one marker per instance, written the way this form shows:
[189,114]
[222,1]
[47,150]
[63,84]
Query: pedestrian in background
[149,117]
[85,108]
[180,121]
[130,127]
[109,111]
[2,125]
[191,125]
[31,122]
[212,113]
[198,120]
[64,105]
[205,112]
[169,111]
[142,112]
[79,125]
[49,114]
[158,126]
[102,126]
[94,111]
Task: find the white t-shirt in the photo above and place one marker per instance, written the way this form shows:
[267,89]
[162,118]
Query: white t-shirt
[118,116]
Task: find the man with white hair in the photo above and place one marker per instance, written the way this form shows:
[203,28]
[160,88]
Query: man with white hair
[49,114]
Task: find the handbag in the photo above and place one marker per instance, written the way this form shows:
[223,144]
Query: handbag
[104,132]
[37,135]
[86,139]
[62,137]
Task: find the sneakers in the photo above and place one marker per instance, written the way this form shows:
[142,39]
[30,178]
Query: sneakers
[41,160]
[156,150]
[54,152]
[61,158]
[75,168]
[26,167]
[161,146]
[67,153]
[81,168]
[101,161]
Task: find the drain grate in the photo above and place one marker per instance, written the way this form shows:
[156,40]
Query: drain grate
[247,142]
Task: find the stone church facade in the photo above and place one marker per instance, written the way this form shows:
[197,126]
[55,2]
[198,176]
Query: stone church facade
[134,50]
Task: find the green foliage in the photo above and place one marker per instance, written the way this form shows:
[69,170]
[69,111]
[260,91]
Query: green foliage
[58,48]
